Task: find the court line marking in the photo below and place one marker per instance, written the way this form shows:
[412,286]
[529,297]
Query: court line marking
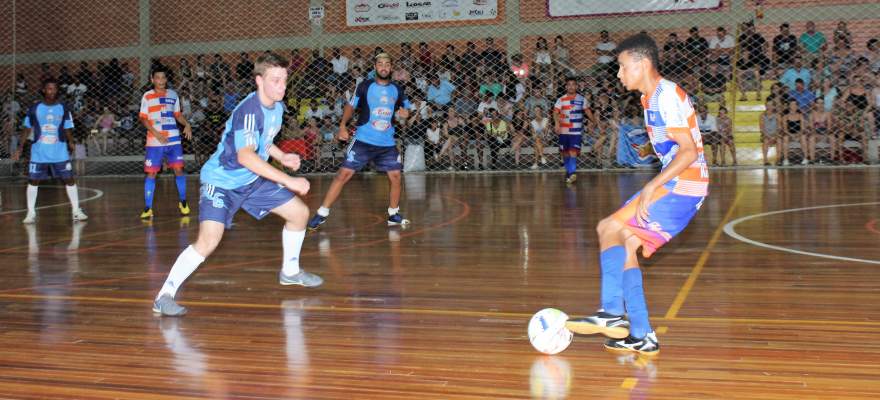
[730,231]
[701,262]
[98,194]
[421,311]
[629,383]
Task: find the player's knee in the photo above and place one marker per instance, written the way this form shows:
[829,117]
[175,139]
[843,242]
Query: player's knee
[394,176]
[604,226]
[632,243]
[344,175]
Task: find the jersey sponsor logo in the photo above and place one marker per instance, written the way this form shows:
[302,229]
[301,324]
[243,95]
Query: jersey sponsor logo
[381,125]
[48,139]
[148,162]
[362,7]
[654,118]
[415,4]
[412,16]
[68,167]
[362,19]
[384,100]
[382,112]
[388,5]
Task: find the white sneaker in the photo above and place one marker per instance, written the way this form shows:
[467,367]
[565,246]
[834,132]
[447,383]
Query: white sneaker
[543,161]
[30,218]
[785,163]
[79,215]
[534,166]
[804,162]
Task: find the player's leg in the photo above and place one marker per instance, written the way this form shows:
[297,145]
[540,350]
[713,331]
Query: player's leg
[388,160]
[152,166]
[641,337]
[357,156]
[210,234]
[174,158]
[36,173]
[64,171]
[295,214]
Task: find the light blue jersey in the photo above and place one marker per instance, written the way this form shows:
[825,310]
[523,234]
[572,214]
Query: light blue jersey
[375,105]
[50,142]
[250,125]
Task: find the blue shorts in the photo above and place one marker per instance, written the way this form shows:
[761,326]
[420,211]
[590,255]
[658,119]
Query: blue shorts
[258,198]
[668,214]
[570,142]
[359,154]
[39,171]
[173,155]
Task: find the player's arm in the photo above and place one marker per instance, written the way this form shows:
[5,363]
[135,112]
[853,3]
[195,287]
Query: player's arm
[248,158]
[149,125]
[289,160]
[25,132]
[347,113]
[187,128]
[69,134]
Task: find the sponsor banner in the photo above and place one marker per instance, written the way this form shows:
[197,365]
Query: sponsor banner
[571,8]
[384,12]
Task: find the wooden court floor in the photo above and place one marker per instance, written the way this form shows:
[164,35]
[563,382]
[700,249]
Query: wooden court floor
[772,292]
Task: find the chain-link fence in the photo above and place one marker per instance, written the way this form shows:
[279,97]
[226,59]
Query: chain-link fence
[777,81]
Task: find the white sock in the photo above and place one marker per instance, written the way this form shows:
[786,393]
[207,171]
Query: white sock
[186,263]
[323,211]
[31,198]
[292,242]
[392,211]
[73,195]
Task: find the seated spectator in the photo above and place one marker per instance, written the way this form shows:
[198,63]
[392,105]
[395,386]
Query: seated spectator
[802,96]
[440,92]
[843,33]
[497,133]
[536,99]
[708,125]
[543,60]
[749,77]
[721,46]
[753,49]
[606,58]
[488,103]
[453,131]
[103,130]
[873,55]
[450,60]
[425,58]
[812,43]
[519,67]
[491,85]
[696,47]
[794,125]
[796,72]
[713,84]
[561,55]
[540,131]
[820,122]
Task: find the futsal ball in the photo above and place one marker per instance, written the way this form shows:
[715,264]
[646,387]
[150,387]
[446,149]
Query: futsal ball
[547,331]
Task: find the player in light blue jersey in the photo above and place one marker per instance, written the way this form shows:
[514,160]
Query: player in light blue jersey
[376,101]
[52,127]
[238,176]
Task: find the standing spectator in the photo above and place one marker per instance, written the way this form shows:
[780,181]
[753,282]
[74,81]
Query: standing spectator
[605,52]
[785,46]
[721,46]
[843,33]
[725,132]
[813,43]
[770,130]
[543,60]
[753,50]
[245,67]
[696,47]
[561,54]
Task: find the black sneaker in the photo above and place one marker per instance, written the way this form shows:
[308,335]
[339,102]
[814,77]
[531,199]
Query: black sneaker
[613,326]
[647,345]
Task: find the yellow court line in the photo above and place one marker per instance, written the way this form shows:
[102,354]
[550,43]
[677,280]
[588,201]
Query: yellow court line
[629,383]
[698,267]
[423,311]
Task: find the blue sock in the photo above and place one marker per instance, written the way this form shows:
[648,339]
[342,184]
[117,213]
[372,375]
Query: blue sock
[570,164]
[149,191]
[636,307]
[612,260]
[181,187]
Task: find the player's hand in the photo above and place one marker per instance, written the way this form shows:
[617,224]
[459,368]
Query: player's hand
[188,132]
[642,213]
[558,129]
[160,136]
[17,155]
[300,186]
[342,135]
[291,160]
[403,113]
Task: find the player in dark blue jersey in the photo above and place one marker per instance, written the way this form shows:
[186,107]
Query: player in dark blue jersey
[238,176]
[376,101]
[52,126]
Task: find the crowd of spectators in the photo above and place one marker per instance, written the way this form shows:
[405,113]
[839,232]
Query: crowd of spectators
[480,108]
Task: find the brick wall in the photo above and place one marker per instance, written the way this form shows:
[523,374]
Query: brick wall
[174,21]
[73,24]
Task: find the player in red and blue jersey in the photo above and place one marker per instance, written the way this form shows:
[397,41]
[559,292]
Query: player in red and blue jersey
[570,114]
[652,217]
[376,102]
[51,123]
[160,114]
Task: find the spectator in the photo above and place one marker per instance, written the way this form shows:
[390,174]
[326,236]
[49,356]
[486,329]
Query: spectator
[802,96]
[519,124]
[339,65]
[450,60]
[497,133]
[76,93]
[708,125]
[605,52]
[488,103]
[725,132]
[812,43]
[561,54]
[493,59]
[793,125]
[357,59]
[466,103]
[245,68]
[843,33]
[470,59]
[785,46]
[453,131]
[796,72]
[406,56]
[696,47]
[230,97]
[297,63]
[770,132]
[536,99]
[103,129]
[440,92]
[828,93]
[672,42]
[316,111]
[543,60]
[433,136]
[490,85]
[721,46]
[753,50]
[64,79]
[518,66]
[539,127]
[426,59]
[820,123]
[873,54]
[713,84]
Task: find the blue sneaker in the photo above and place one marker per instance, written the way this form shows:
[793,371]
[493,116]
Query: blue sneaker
[397,219]
[316,222]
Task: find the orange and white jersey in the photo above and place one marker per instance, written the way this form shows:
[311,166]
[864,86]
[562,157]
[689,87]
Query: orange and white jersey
[668,111]
[160,110]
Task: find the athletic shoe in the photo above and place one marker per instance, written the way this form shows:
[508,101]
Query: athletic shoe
[647,345]
[534,166]
[569,179]
[183,207]
[613,326]
[785,163]
[397,219]
[166,306]
[147,214]
[301,278]
[316,222]
[30,218]
[79,215]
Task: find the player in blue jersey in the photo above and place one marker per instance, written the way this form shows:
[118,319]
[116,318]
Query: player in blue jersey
[238,176]
[375,101]
[52,125]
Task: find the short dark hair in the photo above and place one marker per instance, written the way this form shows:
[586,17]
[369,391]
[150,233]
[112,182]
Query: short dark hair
[48,81]
[269,60]
[641,46]
[158,69]
[571,78]
[798,80]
